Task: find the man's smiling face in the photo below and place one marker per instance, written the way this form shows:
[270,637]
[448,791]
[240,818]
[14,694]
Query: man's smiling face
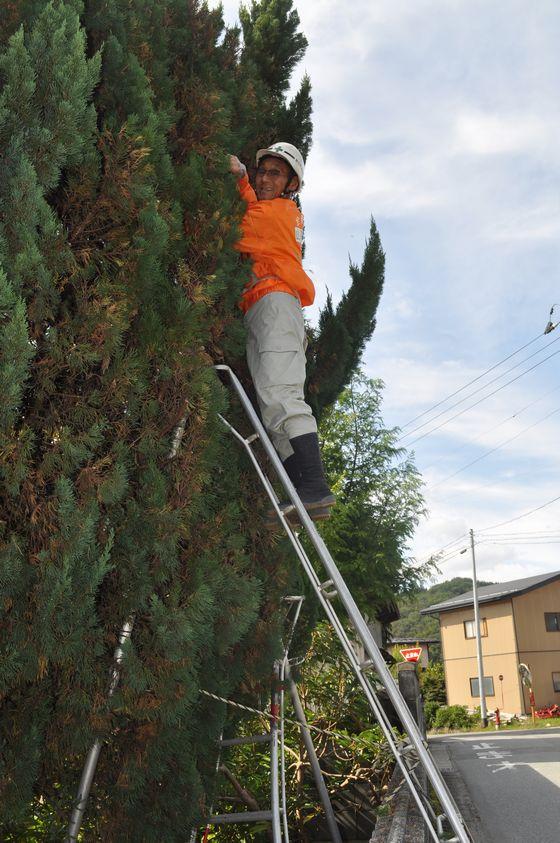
[274,177]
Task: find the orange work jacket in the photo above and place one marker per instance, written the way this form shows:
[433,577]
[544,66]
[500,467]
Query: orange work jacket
[272,238]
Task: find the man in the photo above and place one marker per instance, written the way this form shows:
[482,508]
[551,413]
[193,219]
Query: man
[272,302]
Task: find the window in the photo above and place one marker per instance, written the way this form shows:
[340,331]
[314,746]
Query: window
[488,686]
[556,682]
[552,621]
[470,628]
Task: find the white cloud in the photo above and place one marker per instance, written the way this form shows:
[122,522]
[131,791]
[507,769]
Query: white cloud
[484,133]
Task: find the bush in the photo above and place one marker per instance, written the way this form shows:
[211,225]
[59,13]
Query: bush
[432,683]
[430,710]
[454,717]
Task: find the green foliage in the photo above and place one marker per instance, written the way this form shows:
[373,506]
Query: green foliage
[454,717]
[431,708]
[336,348]
[379,499]
[432,683]
[272,41]
[118,290]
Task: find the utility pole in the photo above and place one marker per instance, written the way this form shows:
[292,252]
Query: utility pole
[483,714]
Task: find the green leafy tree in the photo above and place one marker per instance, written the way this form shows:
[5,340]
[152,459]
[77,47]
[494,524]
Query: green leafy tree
[118,289]
[432,683]
[337,345]
[379,499]
[117,283]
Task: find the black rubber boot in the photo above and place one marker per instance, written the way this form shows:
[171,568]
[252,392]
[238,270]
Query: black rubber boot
[292,469]
[313,489]
[291,466]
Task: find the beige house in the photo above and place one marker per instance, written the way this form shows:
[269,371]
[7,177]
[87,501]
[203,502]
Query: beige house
[520,623]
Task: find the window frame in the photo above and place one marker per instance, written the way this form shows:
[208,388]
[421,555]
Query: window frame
[485,680]
[483,628]
[556,682]
[548,615]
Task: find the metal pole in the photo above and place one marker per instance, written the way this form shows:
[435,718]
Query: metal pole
[313,760]
[483,713]
[357,619]
[274,783]
[93,755]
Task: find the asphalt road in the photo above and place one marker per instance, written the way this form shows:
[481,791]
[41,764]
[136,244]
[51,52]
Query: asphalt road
[513,779]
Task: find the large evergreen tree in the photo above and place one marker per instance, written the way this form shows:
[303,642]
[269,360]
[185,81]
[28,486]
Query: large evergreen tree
[118,289]
[337,345]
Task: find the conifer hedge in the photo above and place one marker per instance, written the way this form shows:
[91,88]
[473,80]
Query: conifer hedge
[118,290]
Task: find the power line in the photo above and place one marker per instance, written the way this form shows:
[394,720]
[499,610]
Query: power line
[474,380]
[496,448]
[484,398]
[504,421]
[520,544]
[480,388]
[519,517]
[528,534]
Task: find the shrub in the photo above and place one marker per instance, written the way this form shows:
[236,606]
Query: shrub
[454,717]
[430,710]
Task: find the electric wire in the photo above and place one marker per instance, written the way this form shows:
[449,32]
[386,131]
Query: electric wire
[529,534]
[474,380]
[484,398]
[493,450]
[480,388]
[519,517]
[500,424]
[496,481]
[520,544]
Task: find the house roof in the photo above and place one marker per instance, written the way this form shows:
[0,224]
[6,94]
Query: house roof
[493,593]
[420,639]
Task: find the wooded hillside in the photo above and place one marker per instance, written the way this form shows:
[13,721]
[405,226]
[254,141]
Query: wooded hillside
[411,623]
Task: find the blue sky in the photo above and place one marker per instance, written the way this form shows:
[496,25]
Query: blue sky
[442,121]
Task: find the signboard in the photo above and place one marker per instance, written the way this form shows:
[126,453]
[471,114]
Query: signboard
[411,654]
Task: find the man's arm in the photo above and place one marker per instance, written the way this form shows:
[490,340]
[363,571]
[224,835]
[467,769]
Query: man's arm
[239,170]
[236,167]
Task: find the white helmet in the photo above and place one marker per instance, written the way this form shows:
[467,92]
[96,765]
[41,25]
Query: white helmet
[288,152]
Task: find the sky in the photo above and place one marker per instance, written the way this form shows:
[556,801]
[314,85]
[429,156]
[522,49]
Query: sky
[441,120]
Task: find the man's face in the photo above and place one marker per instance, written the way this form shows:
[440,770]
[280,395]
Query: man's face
[273,178]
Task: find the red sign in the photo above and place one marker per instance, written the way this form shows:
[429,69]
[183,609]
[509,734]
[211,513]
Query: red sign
[411,654]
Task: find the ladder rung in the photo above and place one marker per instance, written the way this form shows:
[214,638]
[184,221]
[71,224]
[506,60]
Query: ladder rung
[241,817]
[246,740]
[366,665]
[324,589]
[251,438]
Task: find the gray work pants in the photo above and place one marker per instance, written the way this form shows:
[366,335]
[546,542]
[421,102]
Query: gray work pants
[276,346]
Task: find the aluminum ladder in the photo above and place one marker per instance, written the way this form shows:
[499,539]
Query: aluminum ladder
[411,752]
[277,814]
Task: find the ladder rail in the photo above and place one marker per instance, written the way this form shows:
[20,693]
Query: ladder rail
[367,687]
[358,621]
[284,665]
